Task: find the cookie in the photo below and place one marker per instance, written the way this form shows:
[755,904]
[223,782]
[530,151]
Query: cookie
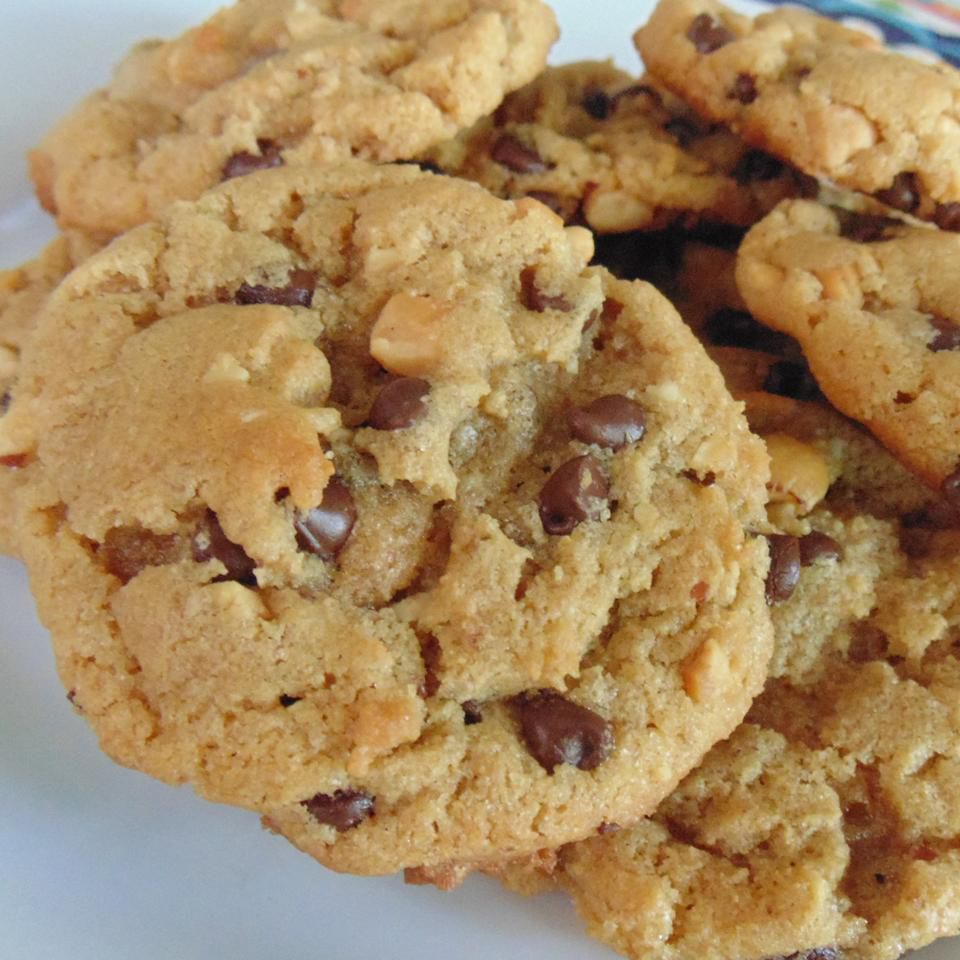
[822,97]
[295,81]
[827,825]
[22,293]
[619,154]
[876,313]
[367,505]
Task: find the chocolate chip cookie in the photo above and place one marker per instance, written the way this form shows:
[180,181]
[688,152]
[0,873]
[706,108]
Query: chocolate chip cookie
[366,504]
[293,81]
[603,148]
[824,98]
[827,825]
[872,302]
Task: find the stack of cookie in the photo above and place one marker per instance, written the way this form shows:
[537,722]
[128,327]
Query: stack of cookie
[368,478]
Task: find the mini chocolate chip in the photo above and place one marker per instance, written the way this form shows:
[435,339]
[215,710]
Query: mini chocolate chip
[399,404]
[947,216]
[784,573]
[815,545]
[947,335]
[902,194]
[297,293]
[880,878]
[557,730]
[787,378]
[866,227]
[707,33]
[951,487]
[744,88]
[612,421]
[598,104]
[576,491]
[566,208]
[324,530]
[343,810]
[682,130]
[211,543]
[755,165]
[707,480]
[471,712]
[288,701]
[533,297]
[126,551]
[509,152]
[430,653]
[727,327]
[240,164]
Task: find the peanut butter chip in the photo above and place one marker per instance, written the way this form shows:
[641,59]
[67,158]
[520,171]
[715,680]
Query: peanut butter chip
[902,194]
[509,152]
[297,293]
[815,545]
[342,810]
[557,730]
[240,164]
[324,530]
[612,421]
[947,336]
[784,573]
[576,491]
[707,33]
[211,543]
[399,404]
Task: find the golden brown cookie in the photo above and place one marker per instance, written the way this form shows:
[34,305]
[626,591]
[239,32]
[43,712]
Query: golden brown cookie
[366,504]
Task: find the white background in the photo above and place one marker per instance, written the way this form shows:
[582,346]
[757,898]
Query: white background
[100,863]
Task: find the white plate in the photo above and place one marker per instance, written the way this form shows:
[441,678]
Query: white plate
[99,863]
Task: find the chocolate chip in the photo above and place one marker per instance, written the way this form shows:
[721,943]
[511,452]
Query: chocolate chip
[612,421]
[784,573]
[288,701]
[787,378]
[744,88]
[430,654]
[297,293]
[509,152]
[324,530]
[707,33]
[727,327]
[15,461]
[597,104]
[211,543]
[576,491]
[900,397]
[399,404]
[951,487]
[947,336]
[815,545]
[566,208]
[947,216]
[866,227]
[683,131]
[240,164]
[557,730]
[902,194]
[533,298]
[343,810]
[755,165]
[471,712]
[126,551]
[707,480]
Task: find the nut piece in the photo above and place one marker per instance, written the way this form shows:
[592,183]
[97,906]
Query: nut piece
[615,211]
[408,335]
[840,283]
[798,473]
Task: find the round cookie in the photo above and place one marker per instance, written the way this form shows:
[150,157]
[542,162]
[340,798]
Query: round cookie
[292,81]
[826,99]
[876,315]
[827,825]
[367,505]
[601,147]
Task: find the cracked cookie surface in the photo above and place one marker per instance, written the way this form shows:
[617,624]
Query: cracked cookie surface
[822,97]
[366,504]
[874,307]
[295,81]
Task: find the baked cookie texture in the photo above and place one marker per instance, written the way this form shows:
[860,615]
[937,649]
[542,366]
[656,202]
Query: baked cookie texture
[23,291]
[293,81]
[619,154]
[827,825]
[366,504]
[824,98]
[873,305]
